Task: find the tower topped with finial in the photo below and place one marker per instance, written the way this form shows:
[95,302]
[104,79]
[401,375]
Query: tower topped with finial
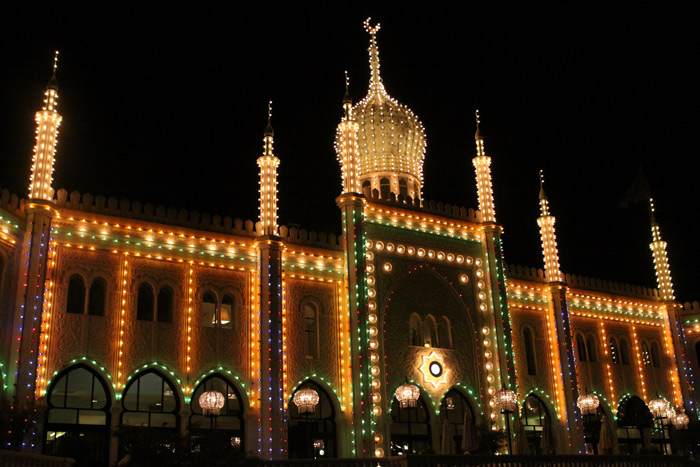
[268,179]
[268,129]
[546,221]
[375,75]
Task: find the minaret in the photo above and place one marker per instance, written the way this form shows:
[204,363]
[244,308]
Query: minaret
[482,163]
[559,313]
[552,272]
[673,333]
[268,180]
[47,121]
[39,211]
[346,146]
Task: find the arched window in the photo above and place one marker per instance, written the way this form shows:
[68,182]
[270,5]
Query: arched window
[410,428]
[149,401]
[455,408]
[145,302]
[633,417]
[229,312]
[655,355]
[76,295]
[646,355]
[77,416]
[614,352]
[366,184]
[591,348]
[312,434]
[445,333]
[165,304]
[209,318]
[384,187]
[97,297]
[581,348]
[537,424]
[228,426]
[403,188]
[429,332]
[310,311]
[529,340]
[624,351]
[416,330]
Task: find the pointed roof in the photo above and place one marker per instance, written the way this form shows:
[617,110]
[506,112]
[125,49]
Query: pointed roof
[268,129]
[53,82]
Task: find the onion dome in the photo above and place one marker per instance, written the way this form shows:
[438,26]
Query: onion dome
[391,138]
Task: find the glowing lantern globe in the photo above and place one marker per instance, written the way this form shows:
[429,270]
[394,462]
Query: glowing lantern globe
[505,400]
[680,421]
[306,400]
[588,403]
[211,402]
[658,407]
[407,395]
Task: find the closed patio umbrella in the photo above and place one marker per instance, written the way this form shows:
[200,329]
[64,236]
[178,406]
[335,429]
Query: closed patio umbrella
[448,442]
[608,437]
[469,441]
[522,447]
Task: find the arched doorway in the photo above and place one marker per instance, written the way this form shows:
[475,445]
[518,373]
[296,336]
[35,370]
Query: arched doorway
[225,429]
[455,408]
[634,423]
[312,432]
[537,424]
[78,417]
[410,428]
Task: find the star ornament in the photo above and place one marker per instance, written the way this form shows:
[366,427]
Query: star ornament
[433,369]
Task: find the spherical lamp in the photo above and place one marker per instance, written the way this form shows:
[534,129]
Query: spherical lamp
[407,395]
[588,403]
[658,407]
[505,400]
[306,400]
[211,402]
[680,421]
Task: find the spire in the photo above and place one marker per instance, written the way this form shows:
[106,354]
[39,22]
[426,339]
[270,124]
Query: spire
[552,271]
[268,179]
[661,266]
[347,99]
[484,185]
[268,129]
[375,81]
[544,204]
[479,137]
[48,121]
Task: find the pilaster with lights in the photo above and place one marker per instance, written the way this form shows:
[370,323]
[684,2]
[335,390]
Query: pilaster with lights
[39,210]
[673,329]
[558,289]
[273,423]
[494,256]
[352,206]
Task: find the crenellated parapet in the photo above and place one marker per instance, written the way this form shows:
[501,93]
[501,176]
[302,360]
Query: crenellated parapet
[428,207]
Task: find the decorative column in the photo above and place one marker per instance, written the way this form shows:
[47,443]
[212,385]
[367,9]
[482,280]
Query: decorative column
[674,341]
[273,417]
[494,252]
[558,289]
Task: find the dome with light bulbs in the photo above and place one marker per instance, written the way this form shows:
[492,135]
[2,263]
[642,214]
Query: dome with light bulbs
[391,139]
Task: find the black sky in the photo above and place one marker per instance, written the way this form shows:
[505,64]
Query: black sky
[167,105]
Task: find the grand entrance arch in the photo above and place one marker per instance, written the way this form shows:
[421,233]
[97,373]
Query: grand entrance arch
[312,432]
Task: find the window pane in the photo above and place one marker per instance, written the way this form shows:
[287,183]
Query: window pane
[76,295]
[165,305]
[150,393]
[96,299]
[163,420]
[92,417]
[135,418]
[58,392]
[63,416]
[144,306]
[208,310]
[79,391]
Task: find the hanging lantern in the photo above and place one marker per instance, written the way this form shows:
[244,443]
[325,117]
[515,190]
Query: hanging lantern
[680,421]
[306,400]
[670,415]
[588,403]
[235,441]
[407,395]
[211,403]
[505,400]
[658,407]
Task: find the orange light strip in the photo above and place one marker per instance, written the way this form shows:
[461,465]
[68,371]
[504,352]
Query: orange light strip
[188,353]
[640,366]
[284,338]
[49,291]
[254,339]
[608,359]
[344,341]
[122,320]
[556,360]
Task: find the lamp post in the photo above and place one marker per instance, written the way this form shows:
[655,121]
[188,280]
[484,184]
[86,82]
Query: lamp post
[407,395]
[588,403]
[506,401]
[660,409]
[306,401]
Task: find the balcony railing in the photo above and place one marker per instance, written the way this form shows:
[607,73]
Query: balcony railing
[25,459]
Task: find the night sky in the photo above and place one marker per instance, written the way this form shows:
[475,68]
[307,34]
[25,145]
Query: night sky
[168,106]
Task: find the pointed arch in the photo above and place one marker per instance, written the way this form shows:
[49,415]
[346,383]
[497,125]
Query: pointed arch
[529,341]
[655,355]
[311,309]
[145,302]
[411,430]
[581,348]
[314,434]
[97,297]
[646,354]
[591,348]
[430,332]
[614,351]
[151,399]
[415,330]
[536,417]
[624,351]
[457,408]
[75,303]
[445,333]
[229,424]
[165,304]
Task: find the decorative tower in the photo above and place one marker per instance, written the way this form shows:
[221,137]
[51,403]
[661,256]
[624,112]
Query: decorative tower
[482,164]
[674,342]
[346,144]
[549,238]
[40,211]
[47,121]
[269,249]
[494,251]
[391,140]
[268,180]
[559,313]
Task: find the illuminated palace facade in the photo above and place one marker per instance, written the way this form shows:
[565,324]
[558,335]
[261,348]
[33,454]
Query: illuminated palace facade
[121,314]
